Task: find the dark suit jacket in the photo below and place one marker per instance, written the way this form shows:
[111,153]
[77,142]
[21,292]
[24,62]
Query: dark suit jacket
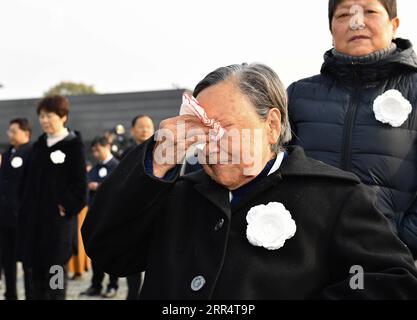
[170,229]
[94,174]
[10,183]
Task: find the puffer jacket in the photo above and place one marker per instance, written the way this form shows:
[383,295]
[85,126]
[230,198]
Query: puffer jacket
[333,119]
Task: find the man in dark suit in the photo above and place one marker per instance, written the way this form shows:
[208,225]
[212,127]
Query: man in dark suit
[106,164]
[142,129]
[11,169]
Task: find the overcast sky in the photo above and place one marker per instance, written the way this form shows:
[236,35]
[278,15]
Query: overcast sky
[133,45]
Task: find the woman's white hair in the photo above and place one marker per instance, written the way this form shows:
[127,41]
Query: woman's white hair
[263,88]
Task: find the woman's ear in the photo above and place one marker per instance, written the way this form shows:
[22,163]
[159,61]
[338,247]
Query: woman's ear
[64,120]
[274,125]
[395,25]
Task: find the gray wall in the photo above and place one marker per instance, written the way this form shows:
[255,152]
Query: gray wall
[93,114]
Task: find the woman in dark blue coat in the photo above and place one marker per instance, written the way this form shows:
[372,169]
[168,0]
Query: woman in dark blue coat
[359,113]
[55,192]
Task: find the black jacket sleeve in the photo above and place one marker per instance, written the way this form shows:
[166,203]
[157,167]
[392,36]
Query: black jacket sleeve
[75,197]
[24,178]
[119,224]
[408,231]
[363,237]
[407,227]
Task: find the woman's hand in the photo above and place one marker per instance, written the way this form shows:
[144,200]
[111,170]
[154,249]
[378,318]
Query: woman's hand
[61,210]
[173,138]
[93,186]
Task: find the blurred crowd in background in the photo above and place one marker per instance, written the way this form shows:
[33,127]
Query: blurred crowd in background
[46,186]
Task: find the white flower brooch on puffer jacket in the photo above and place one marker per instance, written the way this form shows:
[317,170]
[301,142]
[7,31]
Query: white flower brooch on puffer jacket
[269,226]
[392,108]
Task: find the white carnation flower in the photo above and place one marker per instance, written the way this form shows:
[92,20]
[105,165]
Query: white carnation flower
[102,172]
[17,162]
[58,157]
[269,226]
[392,108]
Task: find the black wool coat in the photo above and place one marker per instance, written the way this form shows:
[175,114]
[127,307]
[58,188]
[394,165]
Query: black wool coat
[45,237]
[11,173]
[191,245]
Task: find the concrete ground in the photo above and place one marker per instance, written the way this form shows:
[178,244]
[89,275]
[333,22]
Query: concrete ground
[74,287]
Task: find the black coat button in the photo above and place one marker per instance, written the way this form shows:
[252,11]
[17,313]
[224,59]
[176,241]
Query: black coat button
[198,283]
[219,225]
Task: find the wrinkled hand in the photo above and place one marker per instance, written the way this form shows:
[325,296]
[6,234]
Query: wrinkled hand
[61,210]
[173,138]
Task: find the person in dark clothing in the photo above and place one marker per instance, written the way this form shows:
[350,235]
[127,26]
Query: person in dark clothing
[359,114]
[274,225]
[107,163]
[118,140]
[13,162]
[142,129]
[55,191]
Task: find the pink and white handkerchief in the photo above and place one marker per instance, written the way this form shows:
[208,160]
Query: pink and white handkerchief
[190,106]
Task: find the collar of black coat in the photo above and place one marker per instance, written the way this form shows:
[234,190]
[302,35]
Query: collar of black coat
[297,164]
[72,136]
[21,149]
[371,71]
[111,163]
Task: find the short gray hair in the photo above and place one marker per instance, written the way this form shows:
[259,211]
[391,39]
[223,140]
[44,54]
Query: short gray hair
[263,88]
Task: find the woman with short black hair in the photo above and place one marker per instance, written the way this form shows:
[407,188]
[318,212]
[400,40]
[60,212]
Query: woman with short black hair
[54,193]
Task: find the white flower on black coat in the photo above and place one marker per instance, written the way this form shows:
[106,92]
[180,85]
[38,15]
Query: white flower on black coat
[58,157]
[16,162]
[102,172]
[269,226]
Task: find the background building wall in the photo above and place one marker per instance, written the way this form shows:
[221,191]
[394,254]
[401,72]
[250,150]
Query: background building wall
[92,115]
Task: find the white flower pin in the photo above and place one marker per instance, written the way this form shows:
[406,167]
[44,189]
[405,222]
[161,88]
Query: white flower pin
[58,157]
[102,172]
[269,226]
[17,162]
[392,108]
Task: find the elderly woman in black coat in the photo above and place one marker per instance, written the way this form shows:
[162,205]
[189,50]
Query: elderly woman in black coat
[55,190]
[359,113]
[259,222]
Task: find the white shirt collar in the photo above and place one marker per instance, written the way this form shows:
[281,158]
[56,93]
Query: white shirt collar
[107,159]
[55,138]
[275,167]
[277,163]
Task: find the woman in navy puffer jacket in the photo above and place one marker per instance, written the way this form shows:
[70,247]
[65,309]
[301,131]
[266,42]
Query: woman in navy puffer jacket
[359,113]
